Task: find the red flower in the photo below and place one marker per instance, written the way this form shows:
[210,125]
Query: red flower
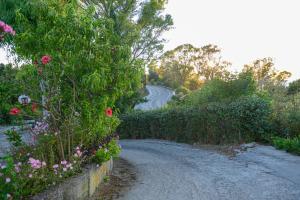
[34,107]
[108,112]
[46,59]
[14,111]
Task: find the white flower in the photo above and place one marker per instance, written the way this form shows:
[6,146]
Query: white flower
[7,180]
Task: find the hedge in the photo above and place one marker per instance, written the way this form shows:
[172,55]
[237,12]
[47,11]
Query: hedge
[243,120]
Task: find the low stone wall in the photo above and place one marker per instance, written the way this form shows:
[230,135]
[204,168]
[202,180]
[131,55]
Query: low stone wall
[79,187]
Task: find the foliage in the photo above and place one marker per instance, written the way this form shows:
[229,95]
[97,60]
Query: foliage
[242,120]
[9,91]
[190,66]
[111,150]
[290,145]
[139,25]
[219,90]
[265,74]
[294,87]
[83,59]
[14,138]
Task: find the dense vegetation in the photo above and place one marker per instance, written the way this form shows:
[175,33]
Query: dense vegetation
[253,105]
[241,120]
[82,63]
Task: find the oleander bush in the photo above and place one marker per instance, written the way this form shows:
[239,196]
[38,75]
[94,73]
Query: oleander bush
[242,120]
[82,65]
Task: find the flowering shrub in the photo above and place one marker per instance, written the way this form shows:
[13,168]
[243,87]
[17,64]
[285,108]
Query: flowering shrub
[88,66]
[5,29]
[77,99]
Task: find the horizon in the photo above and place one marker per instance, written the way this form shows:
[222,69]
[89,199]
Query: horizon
[244,30]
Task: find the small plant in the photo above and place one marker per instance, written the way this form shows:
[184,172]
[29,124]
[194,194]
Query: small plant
[291,145]
[111,150]
[14,138]
[106,179]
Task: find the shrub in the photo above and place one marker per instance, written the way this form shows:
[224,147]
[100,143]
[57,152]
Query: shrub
[105,153]
[220,90]
[290,145]
[9,91]
[217,123]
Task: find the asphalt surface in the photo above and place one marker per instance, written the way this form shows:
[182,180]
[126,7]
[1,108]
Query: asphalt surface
[157,98]
[172,171]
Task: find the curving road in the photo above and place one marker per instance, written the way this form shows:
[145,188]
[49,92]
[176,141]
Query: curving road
[171,171]
[157,98]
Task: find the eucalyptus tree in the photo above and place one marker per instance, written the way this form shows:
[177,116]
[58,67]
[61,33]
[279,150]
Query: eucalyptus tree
[265,74]
[186,62]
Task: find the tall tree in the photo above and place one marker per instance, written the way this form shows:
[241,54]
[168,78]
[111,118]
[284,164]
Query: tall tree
[186,61]
[265,74]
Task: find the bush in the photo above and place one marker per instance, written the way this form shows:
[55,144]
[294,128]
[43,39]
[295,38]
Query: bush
[220,90]
[290,145]
[9,91]
[242,120]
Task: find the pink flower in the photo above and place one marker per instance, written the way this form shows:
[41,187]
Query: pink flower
[35,164]
[69,165]
[30,175]
[7,180]
[64,162]
[17,168]
[46,59]
[55,166]
[2,24]
[78,153]
[6,28]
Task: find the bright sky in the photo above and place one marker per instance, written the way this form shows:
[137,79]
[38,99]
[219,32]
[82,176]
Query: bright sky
[244,29]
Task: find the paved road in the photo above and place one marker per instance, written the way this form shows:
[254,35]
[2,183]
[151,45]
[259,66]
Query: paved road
[171,171]
[157,98]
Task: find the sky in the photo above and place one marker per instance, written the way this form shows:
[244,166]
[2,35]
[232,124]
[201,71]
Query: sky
[245,30]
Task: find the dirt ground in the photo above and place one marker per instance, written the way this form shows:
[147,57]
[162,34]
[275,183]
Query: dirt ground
[122,178]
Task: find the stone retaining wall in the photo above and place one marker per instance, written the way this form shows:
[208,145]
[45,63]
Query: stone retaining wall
[79,187]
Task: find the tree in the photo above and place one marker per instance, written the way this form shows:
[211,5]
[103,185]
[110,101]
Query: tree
[265,74]
[186,62]
[294,87]
[138,25]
